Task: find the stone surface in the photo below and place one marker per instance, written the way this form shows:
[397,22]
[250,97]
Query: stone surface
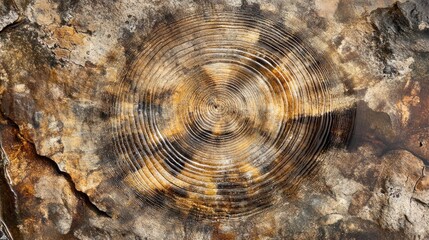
[59,61]
[8,13]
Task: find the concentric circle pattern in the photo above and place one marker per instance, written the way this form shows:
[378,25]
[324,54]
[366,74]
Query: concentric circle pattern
[223,114]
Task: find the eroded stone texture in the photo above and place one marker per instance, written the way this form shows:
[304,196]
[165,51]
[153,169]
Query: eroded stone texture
[8,13]
[57,69]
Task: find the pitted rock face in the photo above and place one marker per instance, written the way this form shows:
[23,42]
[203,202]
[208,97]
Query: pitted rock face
[225,114]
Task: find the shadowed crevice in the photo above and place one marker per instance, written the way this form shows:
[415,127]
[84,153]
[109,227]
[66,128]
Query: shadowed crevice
[79,194]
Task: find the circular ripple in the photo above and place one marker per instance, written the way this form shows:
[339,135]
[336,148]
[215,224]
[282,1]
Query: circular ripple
[222,114]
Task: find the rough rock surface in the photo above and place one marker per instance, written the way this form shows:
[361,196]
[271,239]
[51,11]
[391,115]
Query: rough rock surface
[60,59]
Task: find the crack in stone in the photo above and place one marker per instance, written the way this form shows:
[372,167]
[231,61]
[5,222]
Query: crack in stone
[423,159]
[14,24]
[4,232]
[425,204]
[398,146]
[6,182]
[79,194]
[20,19]
[407,219]
[420,178]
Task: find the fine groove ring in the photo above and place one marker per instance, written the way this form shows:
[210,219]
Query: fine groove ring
[222,113]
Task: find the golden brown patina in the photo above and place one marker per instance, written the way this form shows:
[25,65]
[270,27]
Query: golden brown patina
[224,114]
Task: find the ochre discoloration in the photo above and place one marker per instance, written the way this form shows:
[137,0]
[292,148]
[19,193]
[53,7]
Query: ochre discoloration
[68,37]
